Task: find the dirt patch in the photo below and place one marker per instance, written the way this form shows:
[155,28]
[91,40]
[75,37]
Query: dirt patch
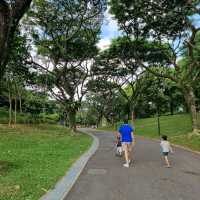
[8,191]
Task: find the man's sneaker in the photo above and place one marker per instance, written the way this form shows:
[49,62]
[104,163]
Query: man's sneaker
[129,161]
[126,165]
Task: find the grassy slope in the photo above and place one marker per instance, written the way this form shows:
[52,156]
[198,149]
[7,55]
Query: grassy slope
[34,158]
[176,127]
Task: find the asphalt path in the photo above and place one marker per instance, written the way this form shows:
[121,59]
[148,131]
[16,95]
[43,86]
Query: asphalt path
[105,178]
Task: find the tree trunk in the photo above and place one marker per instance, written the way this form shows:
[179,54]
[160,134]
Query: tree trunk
[171,105]
[132,113]
[4,35]
[10,16]
[20,104]
[19,92]
[127,111]
[72,120]
[15,110]
[190,100]
[133,117]
[10,109]
[99,118]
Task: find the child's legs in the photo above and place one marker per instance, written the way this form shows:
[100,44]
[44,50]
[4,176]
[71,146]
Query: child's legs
[119,150]
[166,160]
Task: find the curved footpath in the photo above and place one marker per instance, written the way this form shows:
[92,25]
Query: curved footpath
[104,178]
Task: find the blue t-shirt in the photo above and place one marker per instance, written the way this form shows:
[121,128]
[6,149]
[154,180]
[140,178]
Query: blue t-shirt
[125,131]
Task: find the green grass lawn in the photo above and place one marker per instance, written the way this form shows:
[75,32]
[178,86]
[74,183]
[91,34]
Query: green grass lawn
[176,127]
[34,158]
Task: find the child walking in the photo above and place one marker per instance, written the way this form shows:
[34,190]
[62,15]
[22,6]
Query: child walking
[118,146]
[166,149]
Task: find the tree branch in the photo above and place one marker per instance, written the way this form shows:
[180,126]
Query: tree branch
[157,73]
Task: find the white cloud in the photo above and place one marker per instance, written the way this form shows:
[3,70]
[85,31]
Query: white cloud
[110,26]
[103,43]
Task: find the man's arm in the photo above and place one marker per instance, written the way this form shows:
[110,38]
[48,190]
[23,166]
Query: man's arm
[133,138]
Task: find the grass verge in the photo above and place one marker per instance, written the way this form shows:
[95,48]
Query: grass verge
[34,158]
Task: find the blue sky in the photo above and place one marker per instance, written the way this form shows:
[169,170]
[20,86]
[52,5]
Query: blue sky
[109,31]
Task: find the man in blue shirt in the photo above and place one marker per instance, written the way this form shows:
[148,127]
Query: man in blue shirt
[126,134]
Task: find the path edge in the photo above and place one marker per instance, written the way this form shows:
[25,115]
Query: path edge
[65,184]
[173,144]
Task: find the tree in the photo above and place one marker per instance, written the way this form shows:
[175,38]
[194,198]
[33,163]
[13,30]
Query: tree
[65,34]
[10,14]
[158,95]
[105,99]
[116,65]
[16,74]
[170,27]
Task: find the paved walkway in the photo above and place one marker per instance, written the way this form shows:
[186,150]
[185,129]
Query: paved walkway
[104,178]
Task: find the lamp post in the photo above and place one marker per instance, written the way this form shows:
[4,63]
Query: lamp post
[158,115]
[161,89]
[158,118]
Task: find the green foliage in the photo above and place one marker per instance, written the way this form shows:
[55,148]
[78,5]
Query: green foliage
[119,64]
[107,104]
[154,18]
[34,158]
[28,118]
[127,48]
[69,28]
[35,102]
[158,93]
[18,56]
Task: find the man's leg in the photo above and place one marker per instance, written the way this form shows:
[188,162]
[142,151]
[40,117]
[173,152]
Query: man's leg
[130,146]
[126,154]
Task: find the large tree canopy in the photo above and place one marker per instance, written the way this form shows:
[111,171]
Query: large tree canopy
[154,18]
[170,26]
[65,34]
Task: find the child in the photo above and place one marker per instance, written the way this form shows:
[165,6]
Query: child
[166,148]
[119,146]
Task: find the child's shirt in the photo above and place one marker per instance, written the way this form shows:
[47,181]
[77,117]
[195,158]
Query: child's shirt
[119,144]
[165,145]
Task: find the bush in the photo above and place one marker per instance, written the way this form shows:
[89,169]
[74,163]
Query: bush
[28,118]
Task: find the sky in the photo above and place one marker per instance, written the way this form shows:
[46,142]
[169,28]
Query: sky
[109,31]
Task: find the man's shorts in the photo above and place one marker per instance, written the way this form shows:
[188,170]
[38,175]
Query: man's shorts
[129,145]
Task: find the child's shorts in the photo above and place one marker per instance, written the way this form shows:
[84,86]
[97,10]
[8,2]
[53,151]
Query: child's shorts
[165,153]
